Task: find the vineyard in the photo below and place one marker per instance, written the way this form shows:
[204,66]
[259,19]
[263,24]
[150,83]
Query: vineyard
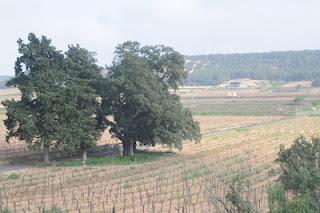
[193,180]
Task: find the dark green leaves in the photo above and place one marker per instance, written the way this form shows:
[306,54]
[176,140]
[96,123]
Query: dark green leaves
[137,95]
[58,99]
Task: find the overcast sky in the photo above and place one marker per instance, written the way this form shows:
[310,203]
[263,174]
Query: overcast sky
[190,26]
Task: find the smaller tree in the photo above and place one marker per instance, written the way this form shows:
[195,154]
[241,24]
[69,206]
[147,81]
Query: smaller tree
[39,75]
[82,106]
[58,105]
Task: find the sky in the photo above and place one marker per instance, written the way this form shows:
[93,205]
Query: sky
[190,26]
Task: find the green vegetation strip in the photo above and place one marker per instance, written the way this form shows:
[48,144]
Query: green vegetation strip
[140,157]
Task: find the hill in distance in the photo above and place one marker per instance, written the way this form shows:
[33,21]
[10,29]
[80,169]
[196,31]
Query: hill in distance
[3,81]
[285,66]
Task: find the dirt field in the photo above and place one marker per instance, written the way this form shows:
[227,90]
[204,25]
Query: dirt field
[243,147]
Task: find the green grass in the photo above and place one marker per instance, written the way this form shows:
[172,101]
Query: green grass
[230,113]
[138,158]
[54,209]
[315,103]
[243,130]
[13,176]
[5,210]
[196,172]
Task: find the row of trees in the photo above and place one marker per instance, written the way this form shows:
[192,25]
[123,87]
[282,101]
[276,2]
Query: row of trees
[66,104]
[277,66]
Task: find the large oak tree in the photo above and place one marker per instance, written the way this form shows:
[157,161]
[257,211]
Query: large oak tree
[136,94]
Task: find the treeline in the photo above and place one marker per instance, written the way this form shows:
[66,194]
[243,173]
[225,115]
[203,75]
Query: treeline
[278,66]
[3,81]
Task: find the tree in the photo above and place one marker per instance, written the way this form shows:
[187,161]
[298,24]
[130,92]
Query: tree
[82,130]
[300,177]
[58,105]
[39,76]
[298,188]
[136,94]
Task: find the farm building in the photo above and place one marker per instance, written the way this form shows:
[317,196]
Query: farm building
[243,83]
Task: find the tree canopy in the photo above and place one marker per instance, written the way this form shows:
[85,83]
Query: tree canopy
[136,93]
[300,177]
[66,103]
[57,103]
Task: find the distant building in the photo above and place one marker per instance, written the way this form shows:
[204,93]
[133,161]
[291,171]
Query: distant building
[235,85]
[243,84]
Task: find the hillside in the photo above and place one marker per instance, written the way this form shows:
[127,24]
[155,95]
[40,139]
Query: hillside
[278,66]
[3,80]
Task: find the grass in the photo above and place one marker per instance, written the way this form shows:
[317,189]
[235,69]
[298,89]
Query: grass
[196,172]
[54,209]
[229,113]
[138,158]
[4,210]
[13,176]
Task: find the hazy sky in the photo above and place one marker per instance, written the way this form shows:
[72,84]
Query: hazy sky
[190,26]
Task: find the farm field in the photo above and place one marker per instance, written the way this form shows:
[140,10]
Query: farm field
[240,147]
[248,102]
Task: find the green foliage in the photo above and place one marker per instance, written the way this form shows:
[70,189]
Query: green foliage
[13,176]
[60,107]
[5,210]
[279,203]
[234,197]
[298,99]
[234,201]
[315,103]
[278,66]
[298,188]
[58,102]
[81,130]
[300,166]
[136,93]
[196,172]
[38,76]
[54,209]
[277,199]
[300,177]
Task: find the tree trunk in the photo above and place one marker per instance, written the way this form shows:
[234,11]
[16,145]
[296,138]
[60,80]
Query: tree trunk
[46,154]
[131,148]
[127,148]
[84,156]
[134,147]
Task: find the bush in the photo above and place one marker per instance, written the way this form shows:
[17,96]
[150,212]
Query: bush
[13,176]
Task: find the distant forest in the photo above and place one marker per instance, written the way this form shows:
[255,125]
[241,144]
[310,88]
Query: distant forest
[3,81]
[278,66]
